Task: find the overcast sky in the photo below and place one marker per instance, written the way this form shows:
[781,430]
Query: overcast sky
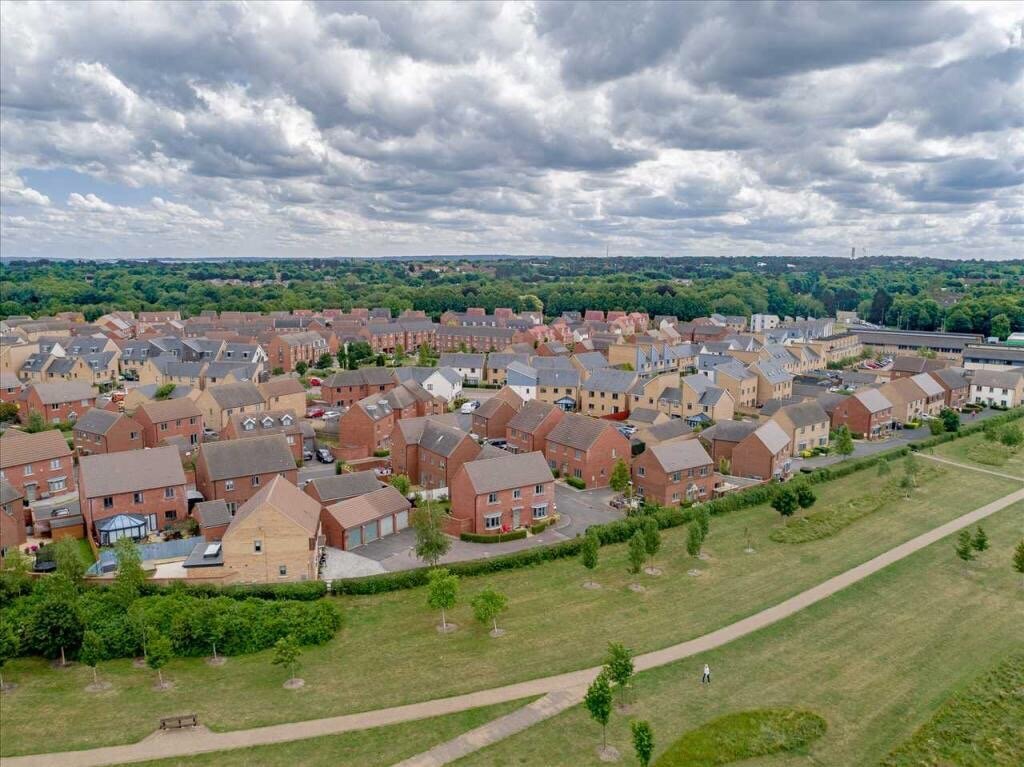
[338,128]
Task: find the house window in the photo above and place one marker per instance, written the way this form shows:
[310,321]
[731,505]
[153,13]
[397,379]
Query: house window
[517,493]
[108,502]
[492,521]
[55,463]
[538,489]
[257,545]
[170,514]
[540,511]
[136,497]
[577,473]
[168,492]
[641,471]
[231,507]
[58,483]
[229,484]
[255,480]
[164,425]
[282,570]
[577,454]
[134,435]
[28,470]
[492,497]
[675,476]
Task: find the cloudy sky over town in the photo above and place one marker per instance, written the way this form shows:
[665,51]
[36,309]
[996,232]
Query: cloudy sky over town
[348,128]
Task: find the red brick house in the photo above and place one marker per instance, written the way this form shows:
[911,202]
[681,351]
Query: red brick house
[586,448]
[956,387]
[491,419]
[288,349]
[10,387]
[496,494]
[341,487]
[104,431]
[213,518]
[250,425]
[235,470]
[345,388]
[57,402]
[673,472]
[131,494]
[368,424]
[365,518]
[764,454]
[163,419]
[866,413]
[429,452]
[12,518]
[528,429]
[722,438]
[37,465]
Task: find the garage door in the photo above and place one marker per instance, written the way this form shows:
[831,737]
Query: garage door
[353,537]
[387,526]
[370,531]
[401,520]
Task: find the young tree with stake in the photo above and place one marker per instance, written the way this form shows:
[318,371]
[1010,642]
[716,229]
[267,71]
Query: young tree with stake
[643,741]
[286,655]
[588,554]
[980,541]
[785,502]
[637,552]
[844,441]
[703,517]
[92,652]
[431,542]
[805,497]
[598,702]
[619,667]
[487,606]
[619,479]
[694,540]
[652,541]
[965,546]
[442,592]
[1018,558]
[159,655]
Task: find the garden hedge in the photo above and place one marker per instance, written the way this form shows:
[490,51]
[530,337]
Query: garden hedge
[514,535]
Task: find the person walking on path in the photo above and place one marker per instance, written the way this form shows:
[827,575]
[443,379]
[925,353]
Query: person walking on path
[706,678]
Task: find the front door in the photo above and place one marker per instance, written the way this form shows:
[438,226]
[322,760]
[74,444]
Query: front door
[515,518]
[30,492]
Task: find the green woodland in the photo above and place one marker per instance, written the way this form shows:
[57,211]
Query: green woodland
[917,294]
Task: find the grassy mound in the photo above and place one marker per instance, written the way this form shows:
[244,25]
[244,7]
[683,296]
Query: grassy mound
[742,736]
[979,727]
[990,453]
[828,521]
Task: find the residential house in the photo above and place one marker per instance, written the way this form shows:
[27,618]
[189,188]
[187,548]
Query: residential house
[345,388]
[674,472]
[935,395]
[740,382]
[904,366]
[251,425]
[443,382]
[286,350]
[131,494]
[1003,388]
[907,398]
[528,429]
[469,366]
[284,393]
[867,413]
[955,385]
[236,470]
[219,403]
[354,521]
[103,431]
[586,448]
[275,536]
[559,387]
[341,487]
[37,465]
[429,452]
[491,418]
[722,438]
[472,339]
[10,387]
[496,367]
[163,420]
[605,392]
[703,402]
[805,423]
[12,518]
[213,518]
[773,381]
[61,402]
[764,454]
[505,493]
[140,395]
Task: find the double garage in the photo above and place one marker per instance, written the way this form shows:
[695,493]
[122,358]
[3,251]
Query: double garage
[365,518]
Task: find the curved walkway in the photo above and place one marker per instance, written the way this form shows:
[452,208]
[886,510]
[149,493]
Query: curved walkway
[572,684]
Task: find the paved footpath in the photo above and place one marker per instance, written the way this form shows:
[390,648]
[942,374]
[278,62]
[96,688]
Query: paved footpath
[972,468]
[571,685]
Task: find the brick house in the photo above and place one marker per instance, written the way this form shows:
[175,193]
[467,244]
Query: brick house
[764,454]
[934,394]
[103,431]
[219,403]
[345,388]
[491,418]
[162,420]
[131,494]
[907,398]
[955,386]
[10,387]
[365,428]
[57,402]
[252,425]
[341,487]
[12,518]
[361,519]
[701,400]
[37,465]
[284,394]
[237,469]
[275,536]
[286,350]
[722,438]
[473,339]
[429,452]
[213,518]
[586,448]
[605,392]
[773,381]
[673,472]
[867,413]
[528,429]
[805,423]
[503,493]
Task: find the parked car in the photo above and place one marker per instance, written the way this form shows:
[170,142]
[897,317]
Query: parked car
[314,412]
[330,415]
[502,443]
[314,381]
[324,455]
[209,433]
[307,455]
[469,406]
[382,471]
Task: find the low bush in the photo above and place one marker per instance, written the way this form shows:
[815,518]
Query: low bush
[540,527]
[301,591]
[576,482]
[514,535]
[381,453]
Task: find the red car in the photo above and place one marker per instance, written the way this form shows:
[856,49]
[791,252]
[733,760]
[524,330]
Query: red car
[314,412]
[314,381]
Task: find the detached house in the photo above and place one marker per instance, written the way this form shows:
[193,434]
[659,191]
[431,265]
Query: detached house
[219,403]
[57,402]
[162,420]
[805,423]
[37,465]
[491,418]
[266,423]
[586,448]
[237,469]
[345,388]
[527,430]
[429,452]
[12,518]
[764,454]
[131,494]
[103,431]
[867,413]
[673,472]
[505,493]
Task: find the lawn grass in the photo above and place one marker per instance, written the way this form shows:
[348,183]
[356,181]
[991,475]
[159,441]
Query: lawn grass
[388,653]
[744,735]
[975,450]
[981,726]
[875,661]
[378,747]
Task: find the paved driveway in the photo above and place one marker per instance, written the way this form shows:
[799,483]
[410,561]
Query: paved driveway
[579,509]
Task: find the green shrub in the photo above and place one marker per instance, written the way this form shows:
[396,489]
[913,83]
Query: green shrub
[576,482]
[540,527]
[514,535]
[381,453]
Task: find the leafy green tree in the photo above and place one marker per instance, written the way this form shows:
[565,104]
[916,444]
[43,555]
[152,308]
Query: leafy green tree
[8,645]
[399,354]
[724,466]
[785,502]
[326,361]
[360,350]
[619,479]
[703,518]
[618,665]
[92,652]
[286,655]
[488,605]
[130,575]
[423,356]
[301,367]
[694,540]
[652,538]
[342,358]
[598,702]
[431,542]
[844,441]
[805,497]
[1000,327]
[401,483]
[8,411]
[965,546]
[907,485]
[588,551]
[159,654]
[936,426]
[884,469]
[637,552]
[1011,435]
[1018,557]
[442,592]
[164,391]
[643,741]
[56,626]
[69,561]
[980,541]
[379,361]
[950,420]
[35,423]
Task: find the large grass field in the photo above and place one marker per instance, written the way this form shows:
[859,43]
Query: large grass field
[388,653]
[996,457]
[876,661]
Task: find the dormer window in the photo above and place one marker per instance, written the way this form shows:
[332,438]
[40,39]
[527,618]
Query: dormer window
[286,420]
[267,422]
[249,424]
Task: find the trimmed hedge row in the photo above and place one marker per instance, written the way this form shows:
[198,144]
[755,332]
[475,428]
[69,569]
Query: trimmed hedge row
[622,530]
[514,535]
[576,482]
[300,591]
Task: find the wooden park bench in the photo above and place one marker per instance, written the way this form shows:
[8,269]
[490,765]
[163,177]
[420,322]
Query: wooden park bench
[177,722]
